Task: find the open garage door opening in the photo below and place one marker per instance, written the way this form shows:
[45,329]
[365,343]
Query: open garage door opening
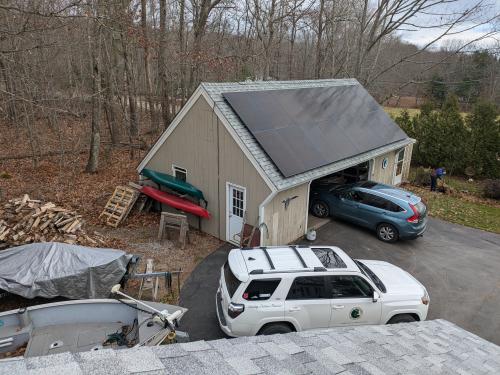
[319,211]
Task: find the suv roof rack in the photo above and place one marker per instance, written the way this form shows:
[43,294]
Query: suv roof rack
[295,270]
[299,256]
[268,257]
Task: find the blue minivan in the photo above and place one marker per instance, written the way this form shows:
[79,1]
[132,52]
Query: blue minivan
[393,213]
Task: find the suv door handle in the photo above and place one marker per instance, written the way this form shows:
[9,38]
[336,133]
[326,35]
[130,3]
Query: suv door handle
[294,309]
[338,307]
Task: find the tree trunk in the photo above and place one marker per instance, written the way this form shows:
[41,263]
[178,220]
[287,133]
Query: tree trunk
[165,105]
[360,42]
[291,52]
[95,137]
[130,89]
[182,48]
[10,97]
[147,65]
[319,58]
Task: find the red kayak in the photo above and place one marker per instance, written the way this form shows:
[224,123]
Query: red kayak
[175,202]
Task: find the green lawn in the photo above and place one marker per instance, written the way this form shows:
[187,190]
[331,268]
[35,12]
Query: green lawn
[463,185]
[473,212]
[395,111]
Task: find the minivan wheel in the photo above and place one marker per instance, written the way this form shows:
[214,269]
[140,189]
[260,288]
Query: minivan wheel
[402,318]
[387,233]
[320,209]
[275,328]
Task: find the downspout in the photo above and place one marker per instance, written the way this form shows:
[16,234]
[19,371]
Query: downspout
[307,206]
[262,206]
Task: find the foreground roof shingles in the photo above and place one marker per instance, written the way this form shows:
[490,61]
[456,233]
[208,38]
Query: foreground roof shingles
[215,91]
[430,347]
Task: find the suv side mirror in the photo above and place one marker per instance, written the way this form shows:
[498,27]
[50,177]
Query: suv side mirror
[376,296]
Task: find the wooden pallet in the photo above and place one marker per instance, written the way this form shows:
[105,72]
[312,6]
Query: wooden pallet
[119,205]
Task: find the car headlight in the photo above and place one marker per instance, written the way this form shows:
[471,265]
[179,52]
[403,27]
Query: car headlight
[425,298]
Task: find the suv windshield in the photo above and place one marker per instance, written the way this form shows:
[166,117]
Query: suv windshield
[232,283]
[369,273]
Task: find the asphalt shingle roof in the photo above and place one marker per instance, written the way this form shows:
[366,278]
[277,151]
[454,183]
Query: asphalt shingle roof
[429,347]
[215,91]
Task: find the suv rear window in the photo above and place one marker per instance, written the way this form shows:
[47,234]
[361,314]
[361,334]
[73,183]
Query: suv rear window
[232,283]
[328,257]
[307,287]
[259,290]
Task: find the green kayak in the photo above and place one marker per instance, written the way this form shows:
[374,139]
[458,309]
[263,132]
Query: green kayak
[173,183]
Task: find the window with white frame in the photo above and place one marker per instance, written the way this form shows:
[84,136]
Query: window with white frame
[179,172]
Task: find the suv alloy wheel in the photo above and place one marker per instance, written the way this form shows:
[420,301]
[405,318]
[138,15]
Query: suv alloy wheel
[320,209]
[387,233]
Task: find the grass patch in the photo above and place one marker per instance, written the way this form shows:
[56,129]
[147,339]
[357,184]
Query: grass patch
[472,213]
[463,185]
[396,111]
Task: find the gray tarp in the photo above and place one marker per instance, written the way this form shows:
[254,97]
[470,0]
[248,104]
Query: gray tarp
[52,269]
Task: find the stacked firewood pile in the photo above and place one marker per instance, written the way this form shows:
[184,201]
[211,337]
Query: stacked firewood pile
[25,220]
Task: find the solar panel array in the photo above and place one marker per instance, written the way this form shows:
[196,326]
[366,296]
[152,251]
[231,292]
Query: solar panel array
[303,129]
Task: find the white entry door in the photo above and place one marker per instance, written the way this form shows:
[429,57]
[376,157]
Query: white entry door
[398,167]
[236,206]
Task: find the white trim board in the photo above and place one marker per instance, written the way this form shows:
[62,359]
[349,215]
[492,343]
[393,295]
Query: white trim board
[228,199]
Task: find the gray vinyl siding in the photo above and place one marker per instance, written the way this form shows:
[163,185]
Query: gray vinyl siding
[202,145]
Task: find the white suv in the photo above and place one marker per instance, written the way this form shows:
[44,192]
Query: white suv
[271,290]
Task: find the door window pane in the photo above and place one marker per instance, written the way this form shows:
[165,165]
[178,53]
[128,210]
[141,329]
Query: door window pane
[259,290]
[348,287]
[237,202]
[401,155]
[399,168]
[307,287]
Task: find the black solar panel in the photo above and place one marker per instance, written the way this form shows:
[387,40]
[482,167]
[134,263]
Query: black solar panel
[303,129]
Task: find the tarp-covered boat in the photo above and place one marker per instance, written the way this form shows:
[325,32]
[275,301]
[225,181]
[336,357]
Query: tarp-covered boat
[52,269]
[175,202]
[173,183]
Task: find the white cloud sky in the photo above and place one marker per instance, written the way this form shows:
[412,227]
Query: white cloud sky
[470,30]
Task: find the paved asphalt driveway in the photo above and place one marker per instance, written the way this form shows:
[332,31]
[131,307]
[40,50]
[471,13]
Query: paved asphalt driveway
[459,266]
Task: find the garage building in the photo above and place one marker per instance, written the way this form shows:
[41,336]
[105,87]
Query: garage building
[254,148]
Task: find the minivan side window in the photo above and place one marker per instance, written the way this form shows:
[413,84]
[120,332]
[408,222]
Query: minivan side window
[259,290]
[307,287]
[348,287]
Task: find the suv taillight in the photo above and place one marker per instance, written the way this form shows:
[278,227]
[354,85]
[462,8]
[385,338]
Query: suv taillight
[235,309]
[416,215]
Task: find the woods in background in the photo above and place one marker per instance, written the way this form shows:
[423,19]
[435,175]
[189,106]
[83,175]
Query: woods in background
[125,67]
